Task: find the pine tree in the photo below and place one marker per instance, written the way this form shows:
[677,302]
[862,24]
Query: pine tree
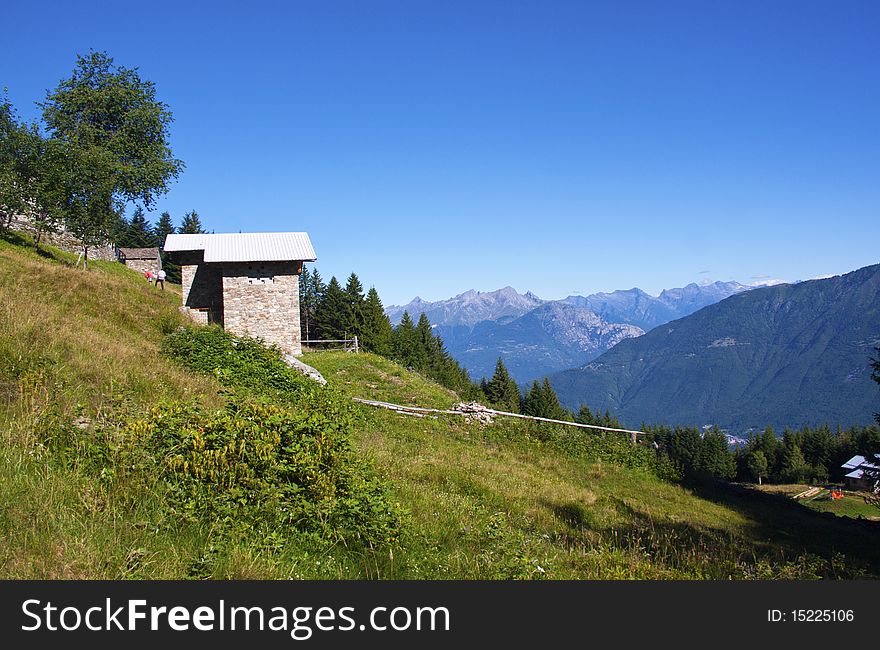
[354,316]
[550,401]
[139,233]
[501,390]
[407,348]
[585,415]
[164,227]
[377,331]
[533,402]
[330,319]
[191,225]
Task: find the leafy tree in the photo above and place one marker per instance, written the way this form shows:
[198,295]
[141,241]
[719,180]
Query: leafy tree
[501,390]
[757,465]
[28,185]
[377,331]
[191,224]
[108,145]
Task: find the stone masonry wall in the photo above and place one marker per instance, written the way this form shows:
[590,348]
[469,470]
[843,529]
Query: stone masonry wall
[64,240]
[261,299]
[142,266]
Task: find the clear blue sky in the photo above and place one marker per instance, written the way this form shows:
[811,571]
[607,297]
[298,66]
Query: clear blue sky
[560,147]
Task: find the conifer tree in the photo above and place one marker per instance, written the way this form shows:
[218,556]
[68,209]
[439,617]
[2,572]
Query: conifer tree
[501,390]
[191,225]
[354,316]
[407,349]
[164,227]
[533,402]
[585,416]
[550,402]
[330,319]
[140,234]
[377,331]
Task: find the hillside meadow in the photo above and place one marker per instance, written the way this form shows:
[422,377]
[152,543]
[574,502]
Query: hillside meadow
[132,447]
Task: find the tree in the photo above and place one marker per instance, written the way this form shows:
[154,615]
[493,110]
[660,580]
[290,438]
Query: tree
[756,462]
[191,225]
[163,228]
[794,467]
[139,233]
[407,350]
[875,375]
[354,315]
[541,401]
[311,292]
[109,145]
[28,184]
[377,330]
[714,460]
[501,390]
[330,320]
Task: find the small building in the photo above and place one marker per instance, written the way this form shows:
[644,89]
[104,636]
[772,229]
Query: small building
[246,282]
[141,259]
[858,478]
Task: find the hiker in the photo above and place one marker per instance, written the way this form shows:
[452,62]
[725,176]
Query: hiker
[149,276]
[160,279]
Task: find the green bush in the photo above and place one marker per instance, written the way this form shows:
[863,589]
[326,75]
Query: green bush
[277,460]
[258,469]
[235,361]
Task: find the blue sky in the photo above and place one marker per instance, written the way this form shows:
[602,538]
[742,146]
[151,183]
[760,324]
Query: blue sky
[561,147]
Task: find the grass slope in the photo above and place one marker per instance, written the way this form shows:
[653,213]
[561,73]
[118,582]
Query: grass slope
[80,352]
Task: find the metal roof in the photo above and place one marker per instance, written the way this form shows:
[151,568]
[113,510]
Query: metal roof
[860,461]
[246,246]
[140,253]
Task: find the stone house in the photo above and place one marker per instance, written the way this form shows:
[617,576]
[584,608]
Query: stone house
[141,259]
[246,282]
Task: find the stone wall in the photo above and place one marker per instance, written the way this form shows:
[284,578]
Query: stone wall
[64,240]
[261,299]
[142,266]
[201,287]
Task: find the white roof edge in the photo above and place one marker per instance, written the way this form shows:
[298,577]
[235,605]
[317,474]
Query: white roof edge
[246,247]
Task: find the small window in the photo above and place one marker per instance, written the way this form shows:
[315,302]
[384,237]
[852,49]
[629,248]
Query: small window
[262,279]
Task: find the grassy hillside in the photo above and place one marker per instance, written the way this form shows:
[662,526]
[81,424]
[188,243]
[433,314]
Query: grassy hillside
[82,374]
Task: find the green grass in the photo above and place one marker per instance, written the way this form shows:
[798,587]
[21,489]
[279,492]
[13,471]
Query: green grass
[80,355]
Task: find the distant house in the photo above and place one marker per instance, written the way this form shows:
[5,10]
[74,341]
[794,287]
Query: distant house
[857,479]
[141,259]
[246,282]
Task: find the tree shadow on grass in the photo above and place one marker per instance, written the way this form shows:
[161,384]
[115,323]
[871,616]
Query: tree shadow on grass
[783,540]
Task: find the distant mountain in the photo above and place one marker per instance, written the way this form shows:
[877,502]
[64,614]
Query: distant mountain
[545,340]
[538,337]
[785,355]
[469,308]
[635,307]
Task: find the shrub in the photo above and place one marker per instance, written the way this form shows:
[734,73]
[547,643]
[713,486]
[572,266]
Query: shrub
[236,361]
[258,469]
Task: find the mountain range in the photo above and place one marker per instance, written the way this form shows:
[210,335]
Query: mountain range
[785,355]
[538,337]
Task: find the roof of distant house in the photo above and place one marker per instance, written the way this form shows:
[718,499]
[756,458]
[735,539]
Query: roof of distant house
[246,246]
[140,253]
[858,464]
